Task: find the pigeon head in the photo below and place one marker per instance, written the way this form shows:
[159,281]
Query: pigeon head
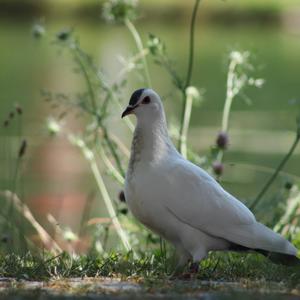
[144,103]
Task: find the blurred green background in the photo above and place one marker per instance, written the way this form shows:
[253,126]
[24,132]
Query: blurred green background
[53,177]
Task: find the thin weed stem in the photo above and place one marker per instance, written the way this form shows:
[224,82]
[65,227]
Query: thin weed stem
[89,155]
[192,41]
[111,169]
[112,149]
[276,172]
[231,92]
[229,95]
[130,66]
[77,53]
[120,145]
[25,211]
[186,123]
[185,117]
[140,48]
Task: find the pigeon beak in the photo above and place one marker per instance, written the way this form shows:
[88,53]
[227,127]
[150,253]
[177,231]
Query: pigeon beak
[129,110]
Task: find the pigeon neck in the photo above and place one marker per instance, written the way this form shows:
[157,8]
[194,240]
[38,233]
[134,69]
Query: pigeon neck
[155,141]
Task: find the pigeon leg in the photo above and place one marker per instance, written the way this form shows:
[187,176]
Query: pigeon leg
[192,272]
[194,266]
[184,258]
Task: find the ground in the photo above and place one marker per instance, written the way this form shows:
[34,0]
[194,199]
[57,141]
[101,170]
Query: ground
[116,288]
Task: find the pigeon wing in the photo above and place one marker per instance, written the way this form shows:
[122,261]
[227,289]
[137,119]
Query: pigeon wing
[199,201]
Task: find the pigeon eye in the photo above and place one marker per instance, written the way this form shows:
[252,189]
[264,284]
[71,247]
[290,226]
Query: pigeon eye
[146,100]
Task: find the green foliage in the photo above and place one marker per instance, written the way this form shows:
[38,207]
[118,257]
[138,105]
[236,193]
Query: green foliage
[150,268]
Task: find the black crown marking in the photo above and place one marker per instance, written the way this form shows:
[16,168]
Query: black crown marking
[136,96]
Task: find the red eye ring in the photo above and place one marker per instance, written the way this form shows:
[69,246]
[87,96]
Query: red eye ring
[146,100]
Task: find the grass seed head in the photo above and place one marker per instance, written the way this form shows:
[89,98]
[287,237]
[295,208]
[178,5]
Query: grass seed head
[23,148]
[218,168]
[222,140]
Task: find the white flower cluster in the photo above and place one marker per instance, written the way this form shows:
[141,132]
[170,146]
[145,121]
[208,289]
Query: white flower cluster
[237,73]
[239,57]
[119,10]
[53,126]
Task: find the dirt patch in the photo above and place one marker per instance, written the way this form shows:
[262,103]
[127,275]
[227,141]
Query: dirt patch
[115,288]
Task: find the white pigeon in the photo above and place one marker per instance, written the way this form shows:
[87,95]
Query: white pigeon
[184,204]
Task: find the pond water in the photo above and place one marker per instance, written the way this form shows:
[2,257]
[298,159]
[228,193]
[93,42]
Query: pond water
[260,133]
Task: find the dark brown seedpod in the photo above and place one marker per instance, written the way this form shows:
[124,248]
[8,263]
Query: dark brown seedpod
[222,140]
[122,196]
[5,238]
[22,149]
[123,211]
[288,185]
[64,34]
[18,109]
[6,123]
[11,114]
[218,168]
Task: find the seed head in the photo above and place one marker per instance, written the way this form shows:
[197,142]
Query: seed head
[11,115]
[64,34]
[6,123]
[155,45]
[38,31]
[222,140]
[5,238]
[18,109]
[123,211]
[122,196]
[119,10]
[218,168]
[288,185]
[239,57]
[53,126]
[22,149]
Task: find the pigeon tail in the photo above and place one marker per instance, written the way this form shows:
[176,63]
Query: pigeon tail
[268,240]
[284,259]
[270,244]
[275,257]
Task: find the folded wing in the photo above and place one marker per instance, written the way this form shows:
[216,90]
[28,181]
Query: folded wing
[203,204]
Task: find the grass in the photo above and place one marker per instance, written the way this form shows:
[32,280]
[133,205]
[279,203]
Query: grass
[150,270]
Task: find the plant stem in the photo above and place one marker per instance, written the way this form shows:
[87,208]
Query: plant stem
[114,172]
[23,209]
[120,145]
[184,124]
[290,213]
[192,41]
[109,205]
[278,169]
[229,96]
[113,150]
[109,91]
[107,88]
[89,155]
[140,47]
[129,66]
[77,54]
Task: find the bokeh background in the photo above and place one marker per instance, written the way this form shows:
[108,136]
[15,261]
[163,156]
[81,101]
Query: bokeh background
[54,177]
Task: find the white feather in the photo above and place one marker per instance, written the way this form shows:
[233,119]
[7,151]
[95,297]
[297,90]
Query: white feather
[182,202]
